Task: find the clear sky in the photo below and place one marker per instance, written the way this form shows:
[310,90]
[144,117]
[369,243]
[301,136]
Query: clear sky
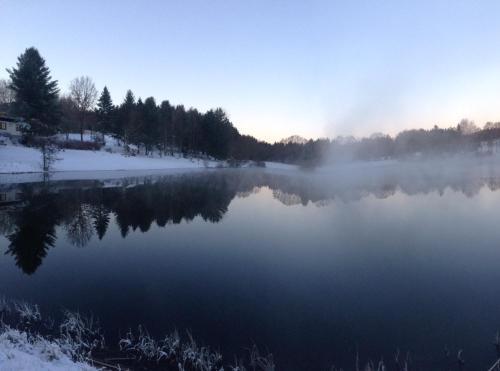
[313,68]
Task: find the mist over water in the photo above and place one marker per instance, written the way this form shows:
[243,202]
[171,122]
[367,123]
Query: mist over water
[365,110]
[313,265]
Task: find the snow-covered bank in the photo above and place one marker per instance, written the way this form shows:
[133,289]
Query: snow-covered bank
[30,341]
[20,159]
[21,352]
[16,159]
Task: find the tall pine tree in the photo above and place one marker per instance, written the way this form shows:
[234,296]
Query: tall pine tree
[36,94]
[126,116]
[151,130]
[105,110]
[135,128]
[165,122]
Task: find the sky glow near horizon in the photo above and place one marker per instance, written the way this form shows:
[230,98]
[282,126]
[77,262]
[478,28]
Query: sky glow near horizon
[315,68]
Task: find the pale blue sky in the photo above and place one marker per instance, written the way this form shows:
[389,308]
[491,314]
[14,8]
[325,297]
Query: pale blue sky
[313,68]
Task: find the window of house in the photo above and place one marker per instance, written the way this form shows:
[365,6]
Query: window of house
[3,126]
[3,197]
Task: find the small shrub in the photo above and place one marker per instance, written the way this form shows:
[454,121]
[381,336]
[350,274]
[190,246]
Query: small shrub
[34,141]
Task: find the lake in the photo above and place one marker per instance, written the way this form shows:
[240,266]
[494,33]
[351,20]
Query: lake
[310,267]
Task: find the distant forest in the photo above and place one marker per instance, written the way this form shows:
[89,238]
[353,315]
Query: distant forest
[32,94]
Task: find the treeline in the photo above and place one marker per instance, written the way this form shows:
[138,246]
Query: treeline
[164,128]
[466,137]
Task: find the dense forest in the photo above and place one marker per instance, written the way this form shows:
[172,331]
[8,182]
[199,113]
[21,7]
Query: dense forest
[164,128]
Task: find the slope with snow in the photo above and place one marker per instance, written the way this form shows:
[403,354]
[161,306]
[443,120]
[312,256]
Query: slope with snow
[20,159]
[20,353]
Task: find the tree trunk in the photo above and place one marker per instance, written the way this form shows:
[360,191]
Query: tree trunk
[82,125]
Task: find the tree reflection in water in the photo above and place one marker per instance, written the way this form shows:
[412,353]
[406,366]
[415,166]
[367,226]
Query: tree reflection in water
[85,208]
[34,232]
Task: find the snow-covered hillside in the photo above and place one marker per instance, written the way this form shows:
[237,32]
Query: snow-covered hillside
[16,158]
[20,159]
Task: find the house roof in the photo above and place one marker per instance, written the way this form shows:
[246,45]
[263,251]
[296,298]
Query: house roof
[17,120]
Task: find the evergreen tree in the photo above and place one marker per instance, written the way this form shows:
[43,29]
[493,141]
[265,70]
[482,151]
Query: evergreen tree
[36,94]
[165,125]
[105,111]
[136,124]
[178,124]
[192,132]
[150,126]
[126,114]
[129,99]
[218,133]
[100,214]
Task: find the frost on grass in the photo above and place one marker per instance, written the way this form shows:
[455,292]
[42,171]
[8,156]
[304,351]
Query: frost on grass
[30,342]
[80,335]
[187,355]
[29,314]
[175,353]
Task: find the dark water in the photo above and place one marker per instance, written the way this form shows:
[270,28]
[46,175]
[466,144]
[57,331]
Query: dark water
[308,268]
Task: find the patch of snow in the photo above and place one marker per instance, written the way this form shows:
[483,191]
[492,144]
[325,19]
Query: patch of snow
[20,352]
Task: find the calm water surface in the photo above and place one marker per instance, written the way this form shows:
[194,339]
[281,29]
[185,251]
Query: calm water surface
[308,268]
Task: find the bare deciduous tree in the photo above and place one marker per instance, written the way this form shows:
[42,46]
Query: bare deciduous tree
[84,94]
[7,95]
[466,126]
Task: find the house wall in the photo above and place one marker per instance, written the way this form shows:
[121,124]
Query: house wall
[10,128]
[8,196]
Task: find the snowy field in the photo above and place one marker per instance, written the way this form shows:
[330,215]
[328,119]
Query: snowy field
[15,159]
[20,159]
